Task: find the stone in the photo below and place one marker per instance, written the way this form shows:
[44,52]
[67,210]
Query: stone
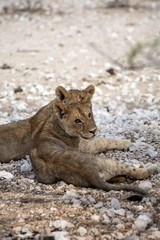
[76,202]
[84,201]
[95,218]
[120,212]
[115,203]
[60,235]
[6,175]
[146,185]
[91,199]
[120,226]
[116,221]
[142,222]
[26,166]
[93,231]
[82,231]
[151,153]
[98,205]
[72,194]
[133,237]
[120,236]
[62,224]
[106,219]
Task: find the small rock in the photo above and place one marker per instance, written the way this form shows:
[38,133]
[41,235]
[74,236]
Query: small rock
[116,221]
[151,153]
[48,238]
[106,219]
[133,237]
[60,235]
[84,201]
[82,231]
[26,166]
[146,185]
[120,212]
[91,199]
[103,210]
[6,175]
[18,89]
[111,71]
[5,66]
[98,205]
[115,203]
[93,231]
[95,218]
[142,222]
[120,226]
[76,201]
[120,236]
[72,194]
[62,224]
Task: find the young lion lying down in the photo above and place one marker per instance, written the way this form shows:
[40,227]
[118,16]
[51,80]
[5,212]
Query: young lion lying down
[59,140]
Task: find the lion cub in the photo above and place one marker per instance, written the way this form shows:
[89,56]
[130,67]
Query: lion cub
[15,137]
[63,146]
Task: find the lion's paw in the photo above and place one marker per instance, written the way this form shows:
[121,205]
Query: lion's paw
[151,169]
[124,144]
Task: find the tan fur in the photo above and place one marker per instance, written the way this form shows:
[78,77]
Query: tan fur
[63,148]
[15,137]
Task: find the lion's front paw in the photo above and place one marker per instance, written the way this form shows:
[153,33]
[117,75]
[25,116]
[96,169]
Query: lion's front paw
[151,169]
[124,145]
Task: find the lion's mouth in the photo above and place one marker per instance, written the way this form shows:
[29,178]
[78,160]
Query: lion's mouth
[88,136]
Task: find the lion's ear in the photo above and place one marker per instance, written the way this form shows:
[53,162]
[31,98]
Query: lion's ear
[90,89]
[61,93]
[60,109]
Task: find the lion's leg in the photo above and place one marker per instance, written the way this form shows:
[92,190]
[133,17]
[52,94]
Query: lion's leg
[69,166]
[41,168]
[73,168]
[102,144]
[109,169]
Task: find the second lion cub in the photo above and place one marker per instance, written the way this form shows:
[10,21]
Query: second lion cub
[63,147]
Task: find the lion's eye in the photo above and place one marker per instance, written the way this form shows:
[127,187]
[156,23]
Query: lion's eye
[78,121]
[89,115]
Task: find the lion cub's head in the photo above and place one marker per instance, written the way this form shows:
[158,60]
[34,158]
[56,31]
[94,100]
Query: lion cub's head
[73,109]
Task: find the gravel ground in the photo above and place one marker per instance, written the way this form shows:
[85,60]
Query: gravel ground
[40,52]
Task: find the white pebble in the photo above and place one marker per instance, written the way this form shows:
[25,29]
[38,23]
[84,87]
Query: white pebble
[62,224]
[151,153]
[82,231]
[146,185]
[6,175]
[95,218]
[120,212]
[120,226]
[60,235]
[142,222]
[98,205]
[106,219]
[72,194]
[26,166]
[115,203]
[120,236]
